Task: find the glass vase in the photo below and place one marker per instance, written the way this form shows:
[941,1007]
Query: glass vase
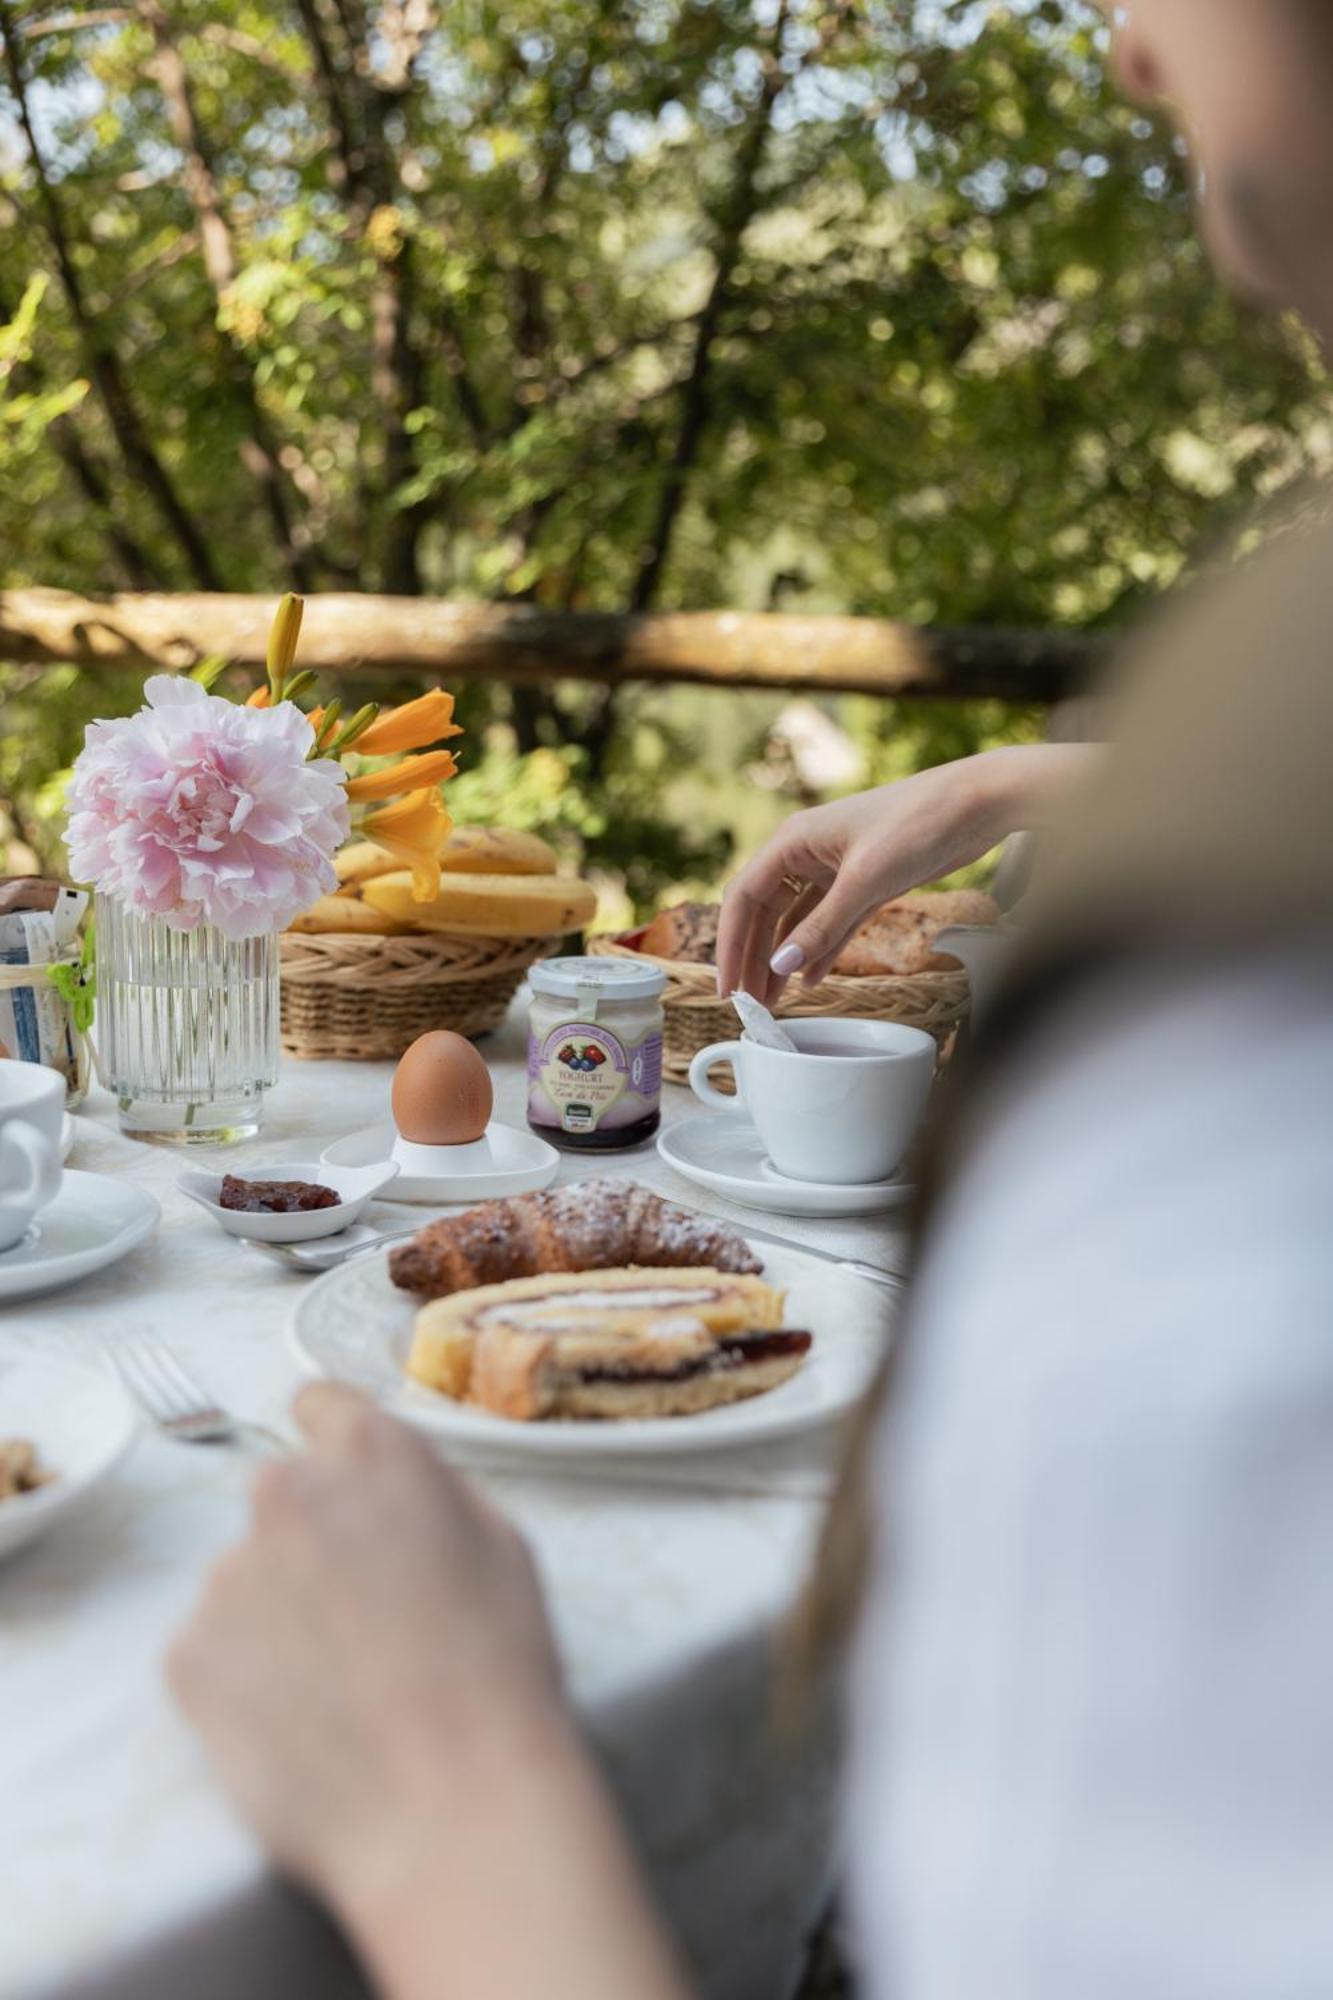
[187,1027]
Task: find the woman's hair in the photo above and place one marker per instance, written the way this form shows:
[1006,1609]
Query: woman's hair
[825,1617]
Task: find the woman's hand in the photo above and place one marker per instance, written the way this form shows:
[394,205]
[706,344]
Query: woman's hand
[795,905]
[374,1676]
[380,1622]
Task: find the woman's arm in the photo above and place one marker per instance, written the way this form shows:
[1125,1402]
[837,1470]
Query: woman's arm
[860,852]
[373,1673]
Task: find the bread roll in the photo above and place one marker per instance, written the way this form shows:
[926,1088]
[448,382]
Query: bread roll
[900,938]
[952,906]
[688,932]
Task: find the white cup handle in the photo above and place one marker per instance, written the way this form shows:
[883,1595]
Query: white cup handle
[36,1158]
[706,1092]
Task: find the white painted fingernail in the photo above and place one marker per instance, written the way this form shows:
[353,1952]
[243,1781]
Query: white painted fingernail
[786,959]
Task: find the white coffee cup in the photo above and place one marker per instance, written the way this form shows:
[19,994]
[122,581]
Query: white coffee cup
[842,1110]
[32,1109]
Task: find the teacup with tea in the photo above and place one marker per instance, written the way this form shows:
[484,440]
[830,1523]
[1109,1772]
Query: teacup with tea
[842,1109]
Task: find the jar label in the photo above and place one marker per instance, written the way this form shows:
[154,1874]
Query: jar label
[581,1078]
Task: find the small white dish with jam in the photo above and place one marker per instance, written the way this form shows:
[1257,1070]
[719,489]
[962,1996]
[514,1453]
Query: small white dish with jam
[292,1201]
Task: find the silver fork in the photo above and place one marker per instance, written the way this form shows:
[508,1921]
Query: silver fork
[168,1394]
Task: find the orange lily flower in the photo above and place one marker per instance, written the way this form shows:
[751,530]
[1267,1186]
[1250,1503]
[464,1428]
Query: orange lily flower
[411,727]
[413,829]
[410,776]
[259,699]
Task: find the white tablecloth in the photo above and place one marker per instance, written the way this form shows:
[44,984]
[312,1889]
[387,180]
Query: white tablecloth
[665,1592]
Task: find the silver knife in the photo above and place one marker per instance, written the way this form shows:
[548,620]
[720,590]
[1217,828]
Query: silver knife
[313,1258]
[875,1272]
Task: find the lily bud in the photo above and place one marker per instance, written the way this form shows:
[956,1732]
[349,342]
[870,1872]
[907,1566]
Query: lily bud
[283,634]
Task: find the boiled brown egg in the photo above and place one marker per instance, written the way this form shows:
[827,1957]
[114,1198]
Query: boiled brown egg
[442,1093]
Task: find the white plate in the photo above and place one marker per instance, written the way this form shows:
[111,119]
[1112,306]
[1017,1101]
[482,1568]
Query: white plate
[354,1325]
[507,1161]
[356,1188]
[82,1423]
[92,1222]
[722,1151]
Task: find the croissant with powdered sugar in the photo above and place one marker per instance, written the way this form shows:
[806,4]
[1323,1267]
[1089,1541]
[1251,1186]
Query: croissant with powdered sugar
[596,1225]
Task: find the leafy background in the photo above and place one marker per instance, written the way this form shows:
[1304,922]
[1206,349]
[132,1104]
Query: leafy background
[877,308]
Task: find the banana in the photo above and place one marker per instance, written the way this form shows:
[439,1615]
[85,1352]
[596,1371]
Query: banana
[346,913]
[504,906]
[497,850]
[360,861]
[469,850]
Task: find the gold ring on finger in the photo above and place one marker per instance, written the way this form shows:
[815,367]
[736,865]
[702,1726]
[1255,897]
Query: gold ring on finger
[795,884]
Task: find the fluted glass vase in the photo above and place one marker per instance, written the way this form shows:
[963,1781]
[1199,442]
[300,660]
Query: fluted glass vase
[187,1027]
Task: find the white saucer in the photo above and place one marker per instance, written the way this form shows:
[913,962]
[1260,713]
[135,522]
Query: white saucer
[506,1161]
[81,1422]
[722,1151]
[92,1222]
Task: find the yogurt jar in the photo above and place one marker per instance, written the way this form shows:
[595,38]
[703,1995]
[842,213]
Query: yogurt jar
[595,1052]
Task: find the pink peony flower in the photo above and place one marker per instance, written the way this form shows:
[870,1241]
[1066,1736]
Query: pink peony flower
[197,810]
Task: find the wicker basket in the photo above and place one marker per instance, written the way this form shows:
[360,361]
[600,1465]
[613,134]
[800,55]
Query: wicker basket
[696,1016]
[364,999]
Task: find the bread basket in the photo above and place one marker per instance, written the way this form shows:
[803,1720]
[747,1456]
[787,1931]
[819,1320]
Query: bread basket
[696,1015]
[353,998]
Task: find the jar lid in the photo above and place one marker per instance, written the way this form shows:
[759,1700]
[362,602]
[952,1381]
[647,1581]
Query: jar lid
[615,978]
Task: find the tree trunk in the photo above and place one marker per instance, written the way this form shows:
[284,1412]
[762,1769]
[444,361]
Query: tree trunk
[102,360]
[694,407]
[358,105]
[260,453]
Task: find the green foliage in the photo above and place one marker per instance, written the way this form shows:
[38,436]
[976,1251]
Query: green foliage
[76,983]
[25,413]
[884,308]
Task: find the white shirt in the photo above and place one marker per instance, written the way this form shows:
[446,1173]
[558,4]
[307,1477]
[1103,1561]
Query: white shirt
[1092,1751]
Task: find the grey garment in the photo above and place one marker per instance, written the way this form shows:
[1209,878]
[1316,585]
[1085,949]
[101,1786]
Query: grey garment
[733,1826]
[1092,1754]
[271,1943]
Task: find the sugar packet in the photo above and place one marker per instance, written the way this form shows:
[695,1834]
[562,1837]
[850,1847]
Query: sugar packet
[760,1025]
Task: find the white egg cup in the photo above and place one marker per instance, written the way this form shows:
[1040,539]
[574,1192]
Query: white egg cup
[503,1161]
[477,1156]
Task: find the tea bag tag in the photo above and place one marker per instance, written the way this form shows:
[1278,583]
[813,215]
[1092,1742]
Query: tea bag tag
[760,1026]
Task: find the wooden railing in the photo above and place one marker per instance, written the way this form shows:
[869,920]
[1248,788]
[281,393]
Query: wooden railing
[410,635]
